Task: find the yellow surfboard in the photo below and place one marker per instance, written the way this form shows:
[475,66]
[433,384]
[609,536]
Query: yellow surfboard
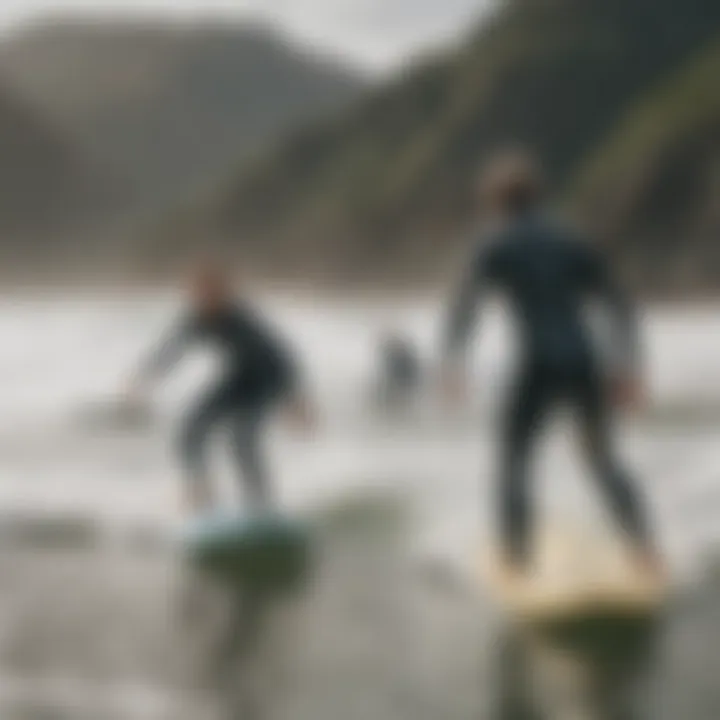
[575,573]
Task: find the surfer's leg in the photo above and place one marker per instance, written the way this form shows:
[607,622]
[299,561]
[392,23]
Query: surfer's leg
[196,429]
[524,414]
[619,489]
[247,446]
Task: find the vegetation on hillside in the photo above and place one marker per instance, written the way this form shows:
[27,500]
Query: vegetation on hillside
[286,174]
[653,187]
[387,187]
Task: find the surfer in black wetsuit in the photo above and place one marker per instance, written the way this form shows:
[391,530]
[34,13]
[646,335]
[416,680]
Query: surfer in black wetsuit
[259,374]
[400,369]
[548,274]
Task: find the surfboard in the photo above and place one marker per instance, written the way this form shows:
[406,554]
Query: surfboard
[254,549]
[575,574]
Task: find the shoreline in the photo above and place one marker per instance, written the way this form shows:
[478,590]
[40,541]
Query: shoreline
[305,291]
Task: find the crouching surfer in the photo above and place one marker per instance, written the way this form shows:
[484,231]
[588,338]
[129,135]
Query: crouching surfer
[260,374]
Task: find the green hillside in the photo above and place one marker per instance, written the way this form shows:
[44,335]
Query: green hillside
[653,187]
[386,187]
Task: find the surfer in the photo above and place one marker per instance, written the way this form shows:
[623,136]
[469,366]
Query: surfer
[400,372]
[259,373]
[547,273]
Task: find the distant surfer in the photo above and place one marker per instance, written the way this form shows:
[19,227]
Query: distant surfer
[259,374]
[548,274]
[400,372]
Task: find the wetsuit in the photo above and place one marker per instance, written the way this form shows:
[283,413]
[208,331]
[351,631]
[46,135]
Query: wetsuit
[258,372]
[401,368]
[548,275]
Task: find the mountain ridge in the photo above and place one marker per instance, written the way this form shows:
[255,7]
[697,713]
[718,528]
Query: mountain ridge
[169,105]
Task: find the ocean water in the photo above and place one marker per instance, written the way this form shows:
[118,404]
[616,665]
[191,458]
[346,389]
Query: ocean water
[394,626]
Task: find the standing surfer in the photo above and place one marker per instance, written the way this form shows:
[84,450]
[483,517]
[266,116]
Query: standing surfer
[547,275]
[259,374]
[400,370]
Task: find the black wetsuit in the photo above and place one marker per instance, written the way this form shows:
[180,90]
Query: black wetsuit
[258,372]
[401,368]
[548,275]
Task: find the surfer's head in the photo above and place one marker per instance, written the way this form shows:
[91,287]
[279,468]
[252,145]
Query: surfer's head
[511,183]
[392,340]
[209,286]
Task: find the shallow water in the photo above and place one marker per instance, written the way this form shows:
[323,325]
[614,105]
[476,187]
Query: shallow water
[393,625]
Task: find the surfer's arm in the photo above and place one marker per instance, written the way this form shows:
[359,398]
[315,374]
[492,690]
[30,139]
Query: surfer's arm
[268,351]
[165,356]
[626,334]
[465,305]
[285,375]
[288,380]
[300,410]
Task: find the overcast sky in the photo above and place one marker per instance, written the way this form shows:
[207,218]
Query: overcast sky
[377,33]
